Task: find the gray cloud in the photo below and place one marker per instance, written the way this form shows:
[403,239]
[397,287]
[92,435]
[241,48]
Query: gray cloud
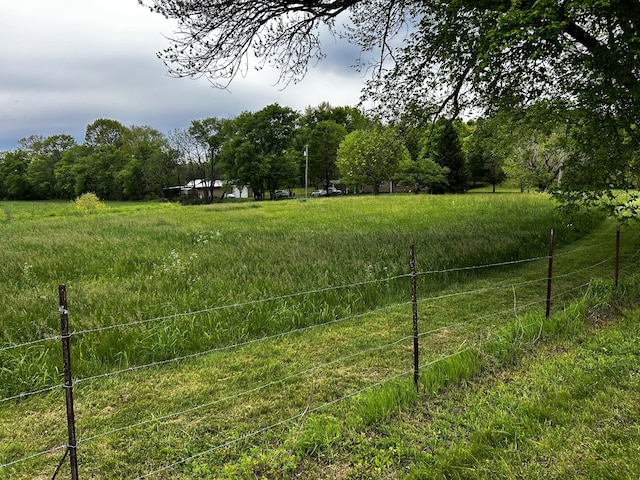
[65,65]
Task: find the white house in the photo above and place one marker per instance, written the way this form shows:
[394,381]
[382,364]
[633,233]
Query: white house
[201,189]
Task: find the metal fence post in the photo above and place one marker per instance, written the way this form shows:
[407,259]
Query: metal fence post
[550,275]
[68,381]
[414,301]
[617,254]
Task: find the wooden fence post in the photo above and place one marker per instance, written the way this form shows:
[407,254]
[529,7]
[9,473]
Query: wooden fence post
[550,275]
[68,381]
[414,301]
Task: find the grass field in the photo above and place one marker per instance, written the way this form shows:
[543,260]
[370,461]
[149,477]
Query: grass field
[134,270]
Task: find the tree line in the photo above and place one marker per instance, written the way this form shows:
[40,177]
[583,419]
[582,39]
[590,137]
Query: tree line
[576,60]
[280,148]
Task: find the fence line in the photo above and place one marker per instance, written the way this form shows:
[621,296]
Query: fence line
[319,325]
[253,390]
[27,344]
[302,373]
[35,455]
[584,269]
[598,246]
[20,396]
[350,395]
[249,342]
[270,299]
[243,344]
[405,373]
[477,267]
[236,305]
[306,412]
[280,335]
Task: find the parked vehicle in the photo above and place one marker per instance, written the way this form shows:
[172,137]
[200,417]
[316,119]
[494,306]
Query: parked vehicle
[282,194]
[322,192]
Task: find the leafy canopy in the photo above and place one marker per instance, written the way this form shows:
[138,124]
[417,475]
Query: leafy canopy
[370,157]
[456,53]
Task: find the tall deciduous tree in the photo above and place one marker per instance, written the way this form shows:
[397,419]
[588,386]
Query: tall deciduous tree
[104,132]
[256,153]
[192,154]
[324,140]
[422,174]
[211,134]
[370,157]
[14,184]
[45,154]
[489,50]
[487,152]
[349,117]
[151,165]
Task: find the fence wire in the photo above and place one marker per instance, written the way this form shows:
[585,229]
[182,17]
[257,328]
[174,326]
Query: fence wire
[346,358]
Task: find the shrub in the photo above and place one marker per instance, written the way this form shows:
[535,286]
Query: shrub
[89,203]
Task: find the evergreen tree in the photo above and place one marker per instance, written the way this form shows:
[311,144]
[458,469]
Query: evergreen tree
[449,154]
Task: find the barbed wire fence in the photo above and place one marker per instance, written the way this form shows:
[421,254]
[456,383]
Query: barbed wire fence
[72,444]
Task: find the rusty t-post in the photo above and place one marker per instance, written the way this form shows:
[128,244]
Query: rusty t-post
[550,275]
[68,381]
[414,301]
[617,254]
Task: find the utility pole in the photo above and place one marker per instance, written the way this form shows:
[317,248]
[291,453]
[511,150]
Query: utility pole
[306,170]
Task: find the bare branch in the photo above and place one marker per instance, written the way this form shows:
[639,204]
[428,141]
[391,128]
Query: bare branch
[218,38]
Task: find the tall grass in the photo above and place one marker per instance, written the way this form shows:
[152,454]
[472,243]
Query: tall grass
[131,263]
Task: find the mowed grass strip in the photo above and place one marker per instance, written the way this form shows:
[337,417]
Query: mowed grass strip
[568,409]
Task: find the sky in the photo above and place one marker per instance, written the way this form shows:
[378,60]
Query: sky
[67,63]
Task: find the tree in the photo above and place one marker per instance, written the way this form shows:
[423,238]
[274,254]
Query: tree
[422,174]
[257,152]
[530,145]
[441,57]
[151,164]
[494,50]
[104,132]
[67,184]
[210,133]
[448,153]
[324,140]
[349,117]
[45,154]
[14,184]
[191,154]
[486,152]
[370,157]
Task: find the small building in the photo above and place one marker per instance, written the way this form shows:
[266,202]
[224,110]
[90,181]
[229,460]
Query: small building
[201,189]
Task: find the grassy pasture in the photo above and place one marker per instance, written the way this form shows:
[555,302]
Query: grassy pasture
[142,261]
[135,262]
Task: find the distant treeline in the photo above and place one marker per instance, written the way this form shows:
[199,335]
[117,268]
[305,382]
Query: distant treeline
[280,148]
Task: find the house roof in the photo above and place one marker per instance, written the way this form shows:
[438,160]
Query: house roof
[200,183]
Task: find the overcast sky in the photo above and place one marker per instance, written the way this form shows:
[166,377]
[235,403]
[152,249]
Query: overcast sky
[67,63]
